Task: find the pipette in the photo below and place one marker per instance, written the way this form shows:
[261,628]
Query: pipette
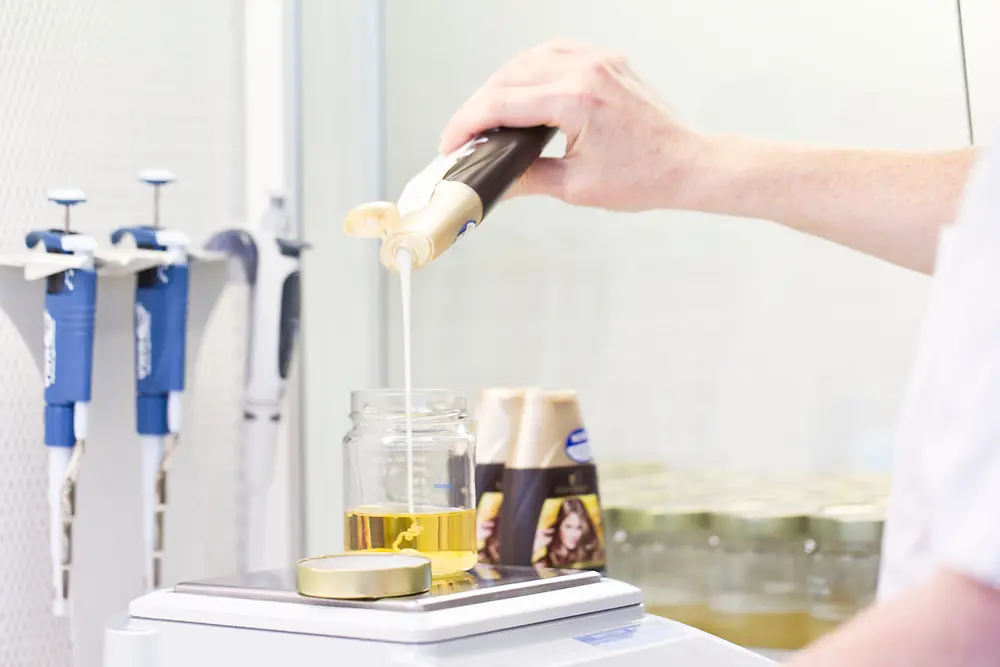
[70,301]
[160,325]
[270,257]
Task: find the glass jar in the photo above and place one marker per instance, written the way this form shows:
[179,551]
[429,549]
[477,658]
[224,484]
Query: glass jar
[628,533]
[411,494]
[844,566]
[757,582]
[675,565]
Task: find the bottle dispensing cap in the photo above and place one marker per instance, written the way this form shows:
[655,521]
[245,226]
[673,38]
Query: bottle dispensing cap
[363,576]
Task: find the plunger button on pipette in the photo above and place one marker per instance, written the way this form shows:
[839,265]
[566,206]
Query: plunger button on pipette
[157,177]
[67,198]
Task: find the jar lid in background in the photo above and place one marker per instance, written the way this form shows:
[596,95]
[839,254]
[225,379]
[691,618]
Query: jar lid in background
[358,576]
[680,518]
[629,519]
[760,520]
[856,523]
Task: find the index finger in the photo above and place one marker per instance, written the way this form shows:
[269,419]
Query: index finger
[498,102]
[520,106]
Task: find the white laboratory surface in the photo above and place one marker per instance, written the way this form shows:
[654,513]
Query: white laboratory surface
[495,616]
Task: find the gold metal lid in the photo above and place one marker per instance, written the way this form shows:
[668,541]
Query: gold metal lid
[679,518]
[629,519]
[856,523]
[759,519]
[359,576]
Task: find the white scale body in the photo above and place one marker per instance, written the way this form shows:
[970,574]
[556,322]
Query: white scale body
[495,617]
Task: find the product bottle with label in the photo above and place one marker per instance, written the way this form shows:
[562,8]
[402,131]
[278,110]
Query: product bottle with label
[451,196]
[551,515]
[497,420]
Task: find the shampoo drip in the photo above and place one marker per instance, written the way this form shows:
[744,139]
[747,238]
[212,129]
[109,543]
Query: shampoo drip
[404,260]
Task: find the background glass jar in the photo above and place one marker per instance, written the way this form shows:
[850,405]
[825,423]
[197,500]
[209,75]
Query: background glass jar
[419,496]
[629,532]
[844,566]
[757,583]
[675,564]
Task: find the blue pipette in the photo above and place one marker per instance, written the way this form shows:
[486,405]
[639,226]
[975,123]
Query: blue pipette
[70,302]
[160,326]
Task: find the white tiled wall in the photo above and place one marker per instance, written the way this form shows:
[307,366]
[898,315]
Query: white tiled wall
[93,91]
[698,339]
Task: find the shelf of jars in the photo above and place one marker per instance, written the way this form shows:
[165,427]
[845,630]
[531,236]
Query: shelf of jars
[768,563]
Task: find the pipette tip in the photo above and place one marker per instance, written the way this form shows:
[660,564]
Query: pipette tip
[60,608]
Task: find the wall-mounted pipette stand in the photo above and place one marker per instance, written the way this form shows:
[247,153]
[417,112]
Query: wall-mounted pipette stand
[59,260]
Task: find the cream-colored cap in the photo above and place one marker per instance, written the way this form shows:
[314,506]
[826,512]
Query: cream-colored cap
[365,575]
[427,231]
[550,423]
[498,416]
[372,220]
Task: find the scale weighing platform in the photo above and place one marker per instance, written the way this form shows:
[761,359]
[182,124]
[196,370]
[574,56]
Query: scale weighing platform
[492,616]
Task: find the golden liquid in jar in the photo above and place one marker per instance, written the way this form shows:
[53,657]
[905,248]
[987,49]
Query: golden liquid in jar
[825,618]
[773,630]
[695,615]
[821,626]
[447,537]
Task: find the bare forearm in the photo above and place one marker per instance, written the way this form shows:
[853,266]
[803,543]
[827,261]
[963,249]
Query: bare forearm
[885,203]
[950,622]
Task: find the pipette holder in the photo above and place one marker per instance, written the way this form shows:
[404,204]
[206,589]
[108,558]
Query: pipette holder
[109,482]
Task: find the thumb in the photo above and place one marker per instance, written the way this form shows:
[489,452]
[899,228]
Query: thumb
[547,176]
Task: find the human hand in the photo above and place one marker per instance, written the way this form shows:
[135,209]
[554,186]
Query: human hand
[625,150]
[484,529]
[543,538]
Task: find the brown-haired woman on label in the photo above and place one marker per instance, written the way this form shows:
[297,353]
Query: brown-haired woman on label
[572,539]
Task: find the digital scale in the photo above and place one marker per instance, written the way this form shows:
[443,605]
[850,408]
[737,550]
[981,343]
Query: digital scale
[492,616]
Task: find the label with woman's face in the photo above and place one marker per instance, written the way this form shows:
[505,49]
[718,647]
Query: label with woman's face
[557,518]
[569,533]
[489,480]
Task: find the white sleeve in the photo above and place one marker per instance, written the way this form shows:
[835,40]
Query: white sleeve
[955,400]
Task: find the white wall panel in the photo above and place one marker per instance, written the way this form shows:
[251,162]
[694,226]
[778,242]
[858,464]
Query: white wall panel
[696,338]
[342,309]
[980,26]
[93,91]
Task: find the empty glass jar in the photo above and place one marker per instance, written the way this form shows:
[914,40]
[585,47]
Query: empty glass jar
[411,494]
[757,584]
[844,567]
[675,564]
[629,532]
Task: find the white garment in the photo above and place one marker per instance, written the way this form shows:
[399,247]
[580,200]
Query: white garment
[945,505]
